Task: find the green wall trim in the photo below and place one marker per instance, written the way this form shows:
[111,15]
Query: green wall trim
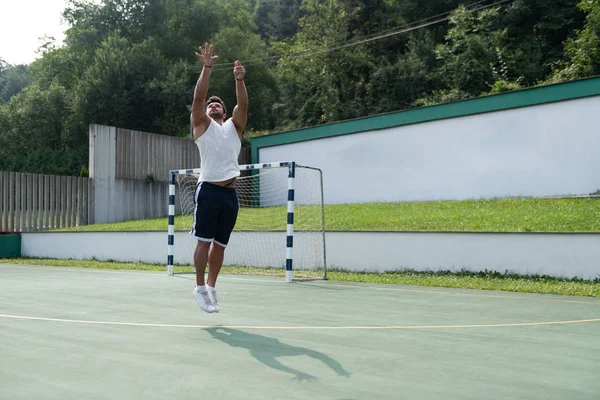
[497,102]
[10,245]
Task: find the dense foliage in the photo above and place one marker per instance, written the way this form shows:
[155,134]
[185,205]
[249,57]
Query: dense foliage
[131,63]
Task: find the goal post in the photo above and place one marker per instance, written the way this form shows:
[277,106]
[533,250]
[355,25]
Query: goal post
[281,221]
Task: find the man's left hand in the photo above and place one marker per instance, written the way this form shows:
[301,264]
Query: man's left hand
[239,71]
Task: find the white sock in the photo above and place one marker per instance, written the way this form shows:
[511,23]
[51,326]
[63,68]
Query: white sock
[209,287]
[200,288]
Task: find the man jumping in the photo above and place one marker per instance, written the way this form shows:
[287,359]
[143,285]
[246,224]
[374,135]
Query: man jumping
[219,142]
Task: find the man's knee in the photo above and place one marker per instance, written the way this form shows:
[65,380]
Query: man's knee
[217,247]
[202,245]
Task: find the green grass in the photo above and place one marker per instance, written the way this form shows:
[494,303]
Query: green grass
[494,215]
[451,279]
[502,215]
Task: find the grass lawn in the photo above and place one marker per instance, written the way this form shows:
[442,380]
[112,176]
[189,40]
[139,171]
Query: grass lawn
[463,279]
[494,215]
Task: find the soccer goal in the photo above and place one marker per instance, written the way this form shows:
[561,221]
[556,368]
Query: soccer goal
[280,224]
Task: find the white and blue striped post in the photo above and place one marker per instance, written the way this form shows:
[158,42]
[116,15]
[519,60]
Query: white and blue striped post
[289,240]
[290,223]
[171,232]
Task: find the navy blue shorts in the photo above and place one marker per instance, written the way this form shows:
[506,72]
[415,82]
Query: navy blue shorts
[216,212]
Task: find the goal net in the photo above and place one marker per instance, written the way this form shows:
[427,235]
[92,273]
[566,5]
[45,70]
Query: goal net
[280,224]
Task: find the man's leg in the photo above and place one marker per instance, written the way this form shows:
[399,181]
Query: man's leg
[205,225]
[226,222]
[215,262]
[200,292]
[200,261]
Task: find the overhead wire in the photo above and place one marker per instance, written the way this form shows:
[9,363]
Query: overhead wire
[349,41]
[368,38]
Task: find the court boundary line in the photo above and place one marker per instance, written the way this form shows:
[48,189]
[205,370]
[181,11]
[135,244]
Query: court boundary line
[270,327]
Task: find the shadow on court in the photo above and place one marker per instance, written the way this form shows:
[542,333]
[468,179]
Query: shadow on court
[127,335]
[267,350]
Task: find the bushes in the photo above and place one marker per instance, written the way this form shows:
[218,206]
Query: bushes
[66,162]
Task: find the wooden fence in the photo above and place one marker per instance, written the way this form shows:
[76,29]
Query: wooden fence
[34,202]
[141,154]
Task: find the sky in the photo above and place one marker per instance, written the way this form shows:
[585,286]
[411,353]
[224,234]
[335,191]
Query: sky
[23,22]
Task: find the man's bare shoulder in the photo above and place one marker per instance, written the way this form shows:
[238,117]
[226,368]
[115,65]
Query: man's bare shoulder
[201,128]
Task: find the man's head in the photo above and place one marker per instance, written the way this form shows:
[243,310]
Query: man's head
[215,108]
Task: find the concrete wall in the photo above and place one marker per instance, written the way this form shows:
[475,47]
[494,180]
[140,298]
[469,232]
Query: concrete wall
[544,150]
[555,254]
[540,141]
[102,163]
[121,199]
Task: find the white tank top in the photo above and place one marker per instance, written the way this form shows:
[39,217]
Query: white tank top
[219,150]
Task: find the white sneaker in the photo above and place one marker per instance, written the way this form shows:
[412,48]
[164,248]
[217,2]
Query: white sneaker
[203,300]
[212,295]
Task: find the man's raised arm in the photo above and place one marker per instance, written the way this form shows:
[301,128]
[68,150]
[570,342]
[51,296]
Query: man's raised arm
[200,121]
[240,112]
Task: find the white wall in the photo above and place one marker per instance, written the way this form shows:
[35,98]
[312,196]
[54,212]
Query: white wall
[542,150]
[555,254]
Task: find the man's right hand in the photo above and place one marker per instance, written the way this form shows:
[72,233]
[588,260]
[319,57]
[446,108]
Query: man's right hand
[206,55]
[200,121]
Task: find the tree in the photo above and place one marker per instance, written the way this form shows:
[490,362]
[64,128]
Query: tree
[13,79]
[131,63]
[471,51]
[232,44]
[114,89]
[535,33]
[397,85]
[188,24]
[321,79]
[583,52]
[174,91]
[35,119]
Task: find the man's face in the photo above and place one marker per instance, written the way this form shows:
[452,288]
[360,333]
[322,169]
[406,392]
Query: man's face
[215,110]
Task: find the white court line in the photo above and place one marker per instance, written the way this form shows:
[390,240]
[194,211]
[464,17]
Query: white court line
[136,324]
[358,285]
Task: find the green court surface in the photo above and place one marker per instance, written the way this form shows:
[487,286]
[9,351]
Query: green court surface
[70,333]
